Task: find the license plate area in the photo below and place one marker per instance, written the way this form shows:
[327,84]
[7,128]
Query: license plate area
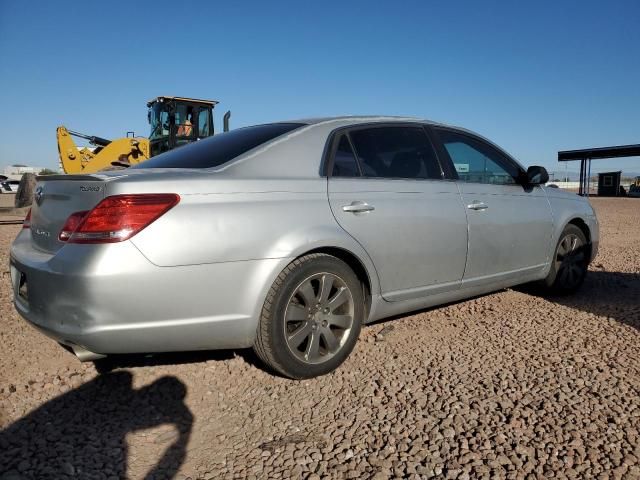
[23,291]
[20,285]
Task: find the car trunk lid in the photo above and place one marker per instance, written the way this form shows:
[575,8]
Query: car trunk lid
[56,198]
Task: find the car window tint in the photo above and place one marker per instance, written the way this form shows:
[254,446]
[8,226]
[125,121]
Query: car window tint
[477,161]
[395,152]
[219,149]
[344,161]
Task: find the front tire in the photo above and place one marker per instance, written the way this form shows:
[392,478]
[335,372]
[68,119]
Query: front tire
[311,318]
[569,263]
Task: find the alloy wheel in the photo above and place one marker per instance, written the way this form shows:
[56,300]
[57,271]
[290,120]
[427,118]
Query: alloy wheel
[318,317]
[570,261]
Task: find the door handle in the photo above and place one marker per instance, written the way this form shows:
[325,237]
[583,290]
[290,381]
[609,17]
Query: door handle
[477,206]
[358,207]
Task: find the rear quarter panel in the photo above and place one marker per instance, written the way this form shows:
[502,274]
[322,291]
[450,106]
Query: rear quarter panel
[247,220]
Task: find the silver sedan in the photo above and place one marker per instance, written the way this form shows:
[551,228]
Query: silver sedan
[288,237]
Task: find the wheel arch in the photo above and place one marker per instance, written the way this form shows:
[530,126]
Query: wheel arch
[582,225]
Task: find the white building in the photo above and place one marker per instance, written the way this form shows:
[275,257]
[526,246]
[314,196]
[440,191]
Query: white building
[15,172]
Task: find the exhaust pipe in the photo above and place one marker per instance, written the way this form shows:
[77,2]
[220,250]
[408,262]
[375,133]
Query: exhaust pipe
[83,354]
[225,121]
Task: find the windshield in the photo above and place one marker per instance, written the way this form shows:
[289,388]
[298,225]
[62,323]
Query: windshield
[159,120]
[219,149]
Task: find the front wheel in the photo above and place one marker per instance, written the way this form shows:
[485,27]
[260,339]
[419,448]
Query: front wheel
[569,262]
[311,318]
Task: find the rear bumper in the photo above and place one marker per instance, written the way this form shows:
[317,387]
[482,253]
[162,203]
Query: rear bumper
[110,299]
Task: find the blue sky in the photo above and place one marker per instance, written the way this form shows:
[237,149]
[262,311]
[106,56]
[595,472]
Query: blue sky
[535,77]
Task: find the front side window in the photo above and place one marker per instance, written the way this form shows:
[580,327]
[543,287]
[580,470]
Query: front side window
[395,152]
[477,161]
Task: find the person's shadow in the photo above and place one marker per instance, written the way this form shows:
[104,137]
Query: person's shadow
[81,433]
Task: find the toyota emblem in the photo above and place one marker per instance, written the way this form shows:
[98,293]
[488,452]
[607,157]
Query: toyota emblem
[38,195]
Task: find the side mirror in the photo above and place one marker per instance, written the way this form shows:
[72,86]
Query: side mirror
[537,175]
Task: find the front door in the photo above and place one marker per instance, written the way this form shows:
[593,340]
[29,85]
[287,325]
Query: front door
[387,191]
[510,225]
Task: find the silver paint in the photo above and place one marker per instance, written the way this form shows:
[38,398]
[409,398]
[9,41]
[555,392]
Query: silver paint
[197,278]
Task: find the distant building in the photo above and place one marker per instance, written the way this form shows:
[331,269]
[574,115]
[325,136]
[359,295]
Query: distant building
[609,184]
[15,172]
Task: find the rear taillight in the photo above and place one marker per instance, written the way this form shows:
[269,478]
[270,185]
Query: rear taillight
[117,218]
[26,223]
[71,225]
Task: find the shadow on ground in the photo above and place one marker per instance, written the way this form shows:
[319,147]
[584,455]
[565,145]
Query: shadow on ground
[113,362]
[608,294]
[81,434]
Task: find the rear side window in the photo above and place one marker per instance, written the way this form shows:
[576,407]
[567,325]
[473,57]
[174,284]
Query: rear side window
[219,149]
[344,161]
[395,152]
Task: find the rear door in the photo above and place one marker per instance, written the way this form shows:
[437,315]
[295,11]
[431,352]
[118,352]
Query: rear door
[510,224]
[386,189]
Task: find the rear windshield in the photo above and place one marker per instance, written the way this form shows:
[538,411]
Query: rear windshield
[220,148]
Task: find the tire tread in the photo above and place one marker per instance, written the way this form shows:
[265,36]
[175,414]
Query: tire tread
[263,343]
[550,284]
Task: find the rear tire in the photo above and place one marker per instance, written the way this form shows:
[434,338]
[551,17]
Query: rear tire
[311,318]
[569,263]
[24,195]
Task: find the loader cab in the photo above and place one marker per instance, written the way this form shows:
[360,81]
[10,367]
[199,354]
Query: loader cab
[177,121]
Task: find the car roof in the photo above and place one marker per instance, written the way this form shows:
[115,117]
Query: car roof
[358,119]
[347,120]
[351,120]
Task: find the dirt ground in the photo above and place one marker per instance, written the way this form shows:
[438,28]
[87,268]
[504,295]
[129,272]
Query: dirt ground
[7,200]
[509,385]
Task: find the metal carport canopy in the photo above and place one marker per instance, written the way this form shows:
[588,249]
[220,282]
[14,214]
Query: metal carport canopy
[586,155]
[596,153]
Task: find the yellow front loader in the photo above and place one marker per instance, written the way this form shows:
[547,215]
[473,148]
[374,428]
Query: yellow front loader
[124,151]
[174,121]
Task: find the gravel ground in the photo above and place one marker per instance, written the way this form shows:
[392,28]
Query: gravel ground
[7,200]
[508,385]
